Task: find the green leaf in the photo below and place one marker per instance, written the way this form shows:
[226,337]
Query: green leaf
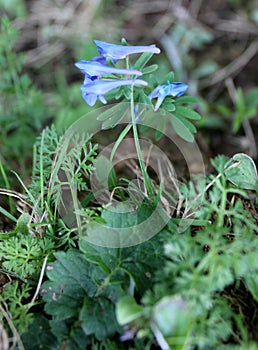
[112,122]
[114,115]
[98,318]
[187,100]
[172,316]
[219,162]
[142,61]
[242,172]
[111,111]
[106,258]
[72,333]
[182,127]
[252,284]
[150,69]
[169,105]
[127,310]
[119,216]
[39,340]
[160,132]
[22,225]
[81,298]
[142,261]
[169,77]
[70,280]
[187,113]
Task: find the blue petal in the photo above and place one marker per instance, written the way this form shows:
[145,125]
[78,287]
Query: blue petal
[101,87]
[98,88]
[159,101]
[154,93]
[102,99]
[99,59]
[117,52]
[88,80]
[161,91]
[94,69]
[90,99]
[178,89]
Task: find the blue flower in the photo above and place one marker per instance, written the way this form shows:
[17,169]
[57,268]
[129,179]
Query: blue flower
[94,69]
[168,89]
[91,90]
[99,59]
[117,52]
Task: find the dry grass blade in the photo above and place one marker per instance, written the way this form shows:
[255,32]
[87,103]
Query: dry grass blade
[4,340]
[16,340]
[233,68]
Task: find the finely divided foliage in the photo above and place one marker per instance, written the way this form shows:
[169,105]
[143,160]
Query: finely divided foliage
[178,290]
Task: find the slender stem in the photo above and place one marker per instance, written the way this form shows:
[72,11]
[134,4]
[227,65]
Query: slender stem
[145,175]
[222,207]
[8,187]
[39,282]
[42,170]
[114,149]
[119,140]
[16,336]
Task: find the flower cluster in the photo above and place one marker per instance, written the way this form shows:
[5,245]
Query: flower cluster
[94,87]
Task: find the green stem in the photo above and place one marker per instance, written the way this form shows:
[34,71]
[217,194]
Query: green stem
[145,175]
[42,170]
[119,140]
[116,145]
[223,202]
[8,187]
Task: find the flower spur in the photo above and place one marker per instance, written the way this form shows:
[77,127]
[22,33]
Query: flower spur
[94,69]
[118,52]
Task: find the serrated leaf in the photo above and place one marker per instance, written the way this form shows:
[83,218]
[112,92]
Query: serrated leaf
[69,281]
[106,258]
[127,310]
[219,162]
[75,338]
[99,319]
[142,261]
[39,340]
[242,172]
[187,113]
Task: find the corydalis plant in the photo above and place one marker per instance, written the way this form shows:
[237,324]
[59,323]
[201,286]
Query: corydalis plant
[102,77]
[95,87]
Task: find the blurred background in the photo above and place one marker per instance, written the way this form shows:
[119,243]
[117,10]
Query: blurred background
[211,45]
